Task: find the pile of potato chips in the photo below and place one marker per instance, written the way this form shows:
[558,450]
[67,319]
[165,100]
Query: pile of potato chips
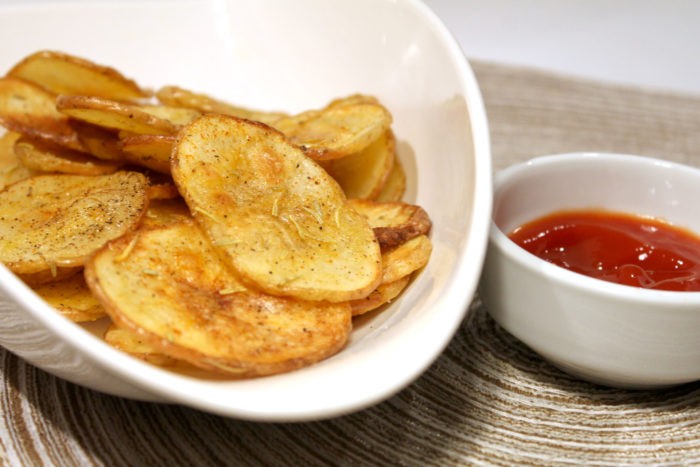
[237,241]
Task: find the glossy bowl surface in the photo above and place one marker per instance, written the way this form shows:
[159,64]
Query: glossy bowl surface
[603,332]
[288,56]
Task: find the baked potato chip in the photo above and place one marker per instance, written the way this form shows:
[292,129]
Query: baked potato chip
[160,185]
[49,276]
[61,73]
[337,131]
[163,190]
[30,110]
[152,151]
[402,259]
[129,342]
[45,157]
[393,223]
[406,258]
[72,298]
[179,97]
[11,168]
[52,221]
[162,212]
[383,294]
[176,115]
[364,174]
[353,100]
[395,184]
[277,217]
[114,115]
[97,141]
[171,288]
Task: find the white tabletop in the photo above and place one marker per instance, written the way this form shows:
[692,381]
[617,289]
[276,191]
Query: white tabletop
[647,42]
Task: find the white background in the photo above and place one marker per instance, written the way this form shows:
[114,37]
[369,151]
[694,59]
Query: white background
[652,43]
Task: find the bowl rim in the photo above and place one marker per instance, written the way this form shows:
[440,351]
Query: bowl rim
[520,172]
[457,296]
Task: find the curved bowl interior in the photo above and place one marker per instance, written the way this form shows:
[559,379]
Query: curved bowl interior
[290,56]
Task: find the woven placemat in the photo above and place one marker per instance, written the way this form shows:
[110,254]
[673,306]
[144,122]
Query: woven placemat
[487,400]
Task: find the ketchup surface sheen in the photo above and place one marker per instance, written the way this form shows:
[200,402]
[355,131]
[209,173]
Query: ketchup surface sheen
[616,247]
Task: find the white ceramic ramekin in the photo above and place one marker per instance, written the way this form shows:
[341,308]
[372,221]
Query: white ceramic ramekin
[600,331]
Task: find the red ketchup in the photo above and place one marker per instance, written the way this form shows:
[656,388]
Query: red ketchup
[616,247]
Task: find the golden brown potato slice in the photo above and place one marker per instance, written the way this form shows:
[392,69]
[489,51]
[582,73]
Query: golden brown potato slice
[164,190]
[279,219]
[171,288]
[28,109]
[114,115]
[61,73]
[45,157]
[406,258]
[353,100]
[49,276]
[152,151]
[336,131]
[395,185]
[130,342]
[11,168]
[162,212]
[177,115]
[393,223]
[160,185]
[179,97]
[363,175]
[52,221]
[72,298]
[97,141]
[383,294]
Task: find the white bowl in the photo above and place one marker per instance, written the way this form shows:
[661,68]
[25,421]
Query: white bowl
[600,331]
[290,56]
